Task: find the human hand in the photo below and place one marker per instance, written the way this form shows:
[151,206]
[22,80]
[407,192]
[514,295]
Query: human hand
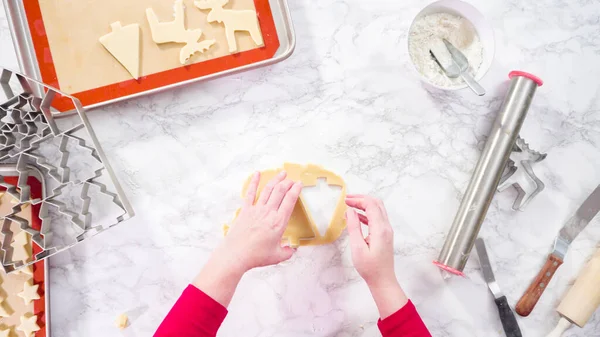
[373,256]
[254,239]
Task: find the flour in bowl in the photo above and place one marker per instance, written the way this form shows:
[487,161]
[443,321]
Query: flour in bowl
[428,30]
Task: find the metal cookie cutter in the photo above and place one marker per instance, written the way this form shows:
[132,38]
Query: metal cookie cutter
[83,196]
[519,174]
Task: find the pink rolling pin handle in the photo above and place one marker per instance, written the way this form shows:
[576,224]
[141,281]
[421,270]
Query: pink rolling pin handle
[532,77]
[448,269]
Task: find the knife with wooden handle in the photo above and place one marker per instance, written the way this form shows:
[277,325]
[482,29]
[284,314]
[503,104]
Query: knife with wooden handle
[586,212]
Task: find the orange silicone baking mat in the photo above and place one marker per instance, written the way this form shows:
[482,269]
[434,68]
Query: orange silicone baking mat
[44,36]
[39,277]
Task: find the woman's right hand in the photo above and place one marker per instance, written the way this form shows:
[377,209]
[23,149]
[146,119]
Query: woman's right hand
[373,256]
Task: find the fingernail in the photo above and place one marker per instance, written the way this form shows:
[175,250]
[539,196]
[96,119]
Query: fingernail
[282,173]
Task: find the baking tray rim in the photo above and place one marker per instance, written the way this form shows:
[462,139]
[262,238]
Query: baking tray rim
[11,170]
[29,65]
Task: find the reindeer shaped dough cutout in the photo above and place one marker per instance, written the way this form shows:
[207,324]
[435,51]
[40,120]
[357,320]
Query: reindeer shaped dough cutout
[174,31]
[234,20]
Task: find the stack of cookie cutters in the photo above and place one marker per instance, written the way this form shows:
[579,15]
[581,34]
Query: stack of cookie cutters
[29,126]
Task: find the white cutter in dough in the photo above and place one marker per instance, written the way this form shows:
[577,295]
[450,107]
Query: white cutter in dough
[174,31]
[124,45]
[234,20]
[29,292]
[28,325]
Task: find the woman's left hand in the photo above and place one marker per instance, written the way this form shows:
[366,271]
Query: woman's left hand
[254,239]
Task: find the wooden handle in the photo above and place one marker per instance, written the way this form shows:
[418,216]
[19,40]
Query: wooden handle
[584,297]
[562,326]
[537,287]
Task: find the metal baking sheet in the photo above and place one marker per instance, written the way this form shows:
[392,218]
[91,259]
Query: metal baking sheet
[10,170]
[28,61]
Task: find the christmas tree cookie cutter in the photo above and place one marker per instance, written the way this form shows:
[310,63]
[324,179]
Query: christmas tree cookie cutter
[67,153]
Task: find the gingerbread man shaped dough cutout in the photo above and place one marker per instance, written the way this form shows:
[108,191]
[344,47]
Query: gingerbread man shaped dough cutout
[175,31]
[234,20]
[301,229]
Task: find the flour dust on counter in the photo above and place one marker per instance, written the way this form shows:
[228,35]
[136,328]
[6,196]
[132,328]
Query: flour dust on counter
[428,31]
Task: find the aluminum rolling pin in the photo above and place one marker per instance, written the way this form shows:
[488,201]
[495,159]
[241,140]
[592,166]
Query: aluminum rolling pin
[489,169]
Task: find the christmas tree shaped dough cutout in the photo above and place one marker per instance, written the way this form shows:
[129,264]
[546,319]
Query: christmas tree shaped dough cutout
[124,44]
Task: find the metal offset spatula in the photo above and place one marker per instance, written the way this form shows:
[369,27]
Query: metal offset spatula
[463,64]
[586,212]
[507,317]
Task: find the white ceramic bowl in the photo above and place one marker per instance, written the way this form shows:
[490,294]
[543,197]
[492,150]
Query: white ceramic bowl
[483,28]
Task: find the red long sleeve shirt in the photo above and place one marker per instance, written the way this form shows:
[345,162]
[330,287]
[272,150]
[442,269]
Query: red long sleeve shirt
[197,315]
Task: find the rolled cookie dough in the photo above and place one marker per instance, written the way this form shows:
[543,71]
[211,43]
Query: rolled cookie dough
[302,230]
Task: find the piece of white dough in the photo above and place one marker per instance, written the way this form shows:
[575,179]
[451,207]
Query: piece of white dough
[5,333]
[19,245]
[124,45]
[234,20]
[29,292]
[174,31]
[122,321]
[28,325]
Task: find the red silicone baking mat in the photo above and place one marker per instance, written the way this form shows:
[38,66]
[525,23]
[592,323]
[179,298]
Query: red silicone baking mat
[39,274]
[126,88]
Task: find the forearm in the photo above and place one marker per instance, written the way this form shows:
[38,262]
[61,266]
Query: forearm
[201,308]
[399,316]
[194,315]
[219,277]
[389,297]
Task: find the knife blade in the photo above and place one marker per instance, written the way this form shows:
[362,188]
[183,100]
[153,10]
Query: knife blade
[486,268]
[507,317]
[584,214]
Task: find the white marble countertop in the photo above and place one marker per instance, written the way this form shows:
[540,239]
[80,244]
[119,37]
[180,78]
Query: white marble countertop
[349,100]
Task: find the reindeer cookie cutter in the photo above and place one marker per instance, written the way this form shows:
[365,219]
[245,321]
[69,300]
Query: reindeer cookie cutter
[28,125]
[521,160]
